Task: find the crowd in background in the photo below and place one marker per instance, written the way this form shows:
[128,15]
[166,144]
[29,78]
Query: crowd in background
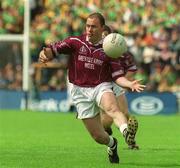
[151,29]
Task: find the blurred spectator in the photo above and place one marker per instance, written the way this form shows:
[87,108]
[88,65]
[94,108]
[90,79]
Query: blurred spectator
[163,86]
[10,65]
[141,75]
[176,86]
[165,54]
[9,74]
[151,28]
[58,80]
[148,55]
[2,80]
[155,77]
[17,82]
[174,45]
[137,50]
[12,16]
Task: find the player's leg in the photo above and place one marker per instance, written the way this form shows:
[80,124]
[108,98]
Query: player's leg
[106,122]
[123,104]
[132,121]
[88,112]
[97,132]
[110,106]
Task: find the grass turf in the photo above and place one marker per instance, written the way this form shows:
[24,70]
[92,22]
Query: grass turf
[58,140]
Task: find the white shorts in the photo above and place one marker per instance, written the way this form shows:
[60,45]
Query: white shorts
[87,99]
[69,88]
[118,90]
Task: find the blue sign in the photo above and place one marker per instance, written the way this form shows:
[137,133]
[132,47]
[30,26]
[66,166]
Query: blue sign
[57,101]
[152,103]
[11,99]
[52,101]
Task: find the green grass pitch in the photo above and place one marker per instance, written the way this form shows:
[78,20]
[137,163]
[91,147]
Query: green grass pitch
[59,140]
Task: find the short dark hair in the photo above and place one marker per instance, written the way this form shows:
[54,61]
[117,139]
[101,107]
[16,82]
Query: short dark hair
[99,16]
[107,28]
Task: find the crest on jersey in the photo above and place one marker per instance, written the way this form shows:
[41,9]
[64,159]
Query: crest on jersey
[83,50]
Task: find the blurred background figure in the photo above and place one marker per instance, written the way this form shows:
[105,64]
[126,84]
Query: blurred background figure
[151,28]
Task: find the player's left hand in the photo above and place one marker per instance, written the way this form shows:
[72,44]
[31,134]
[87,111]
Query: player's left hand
[136,86]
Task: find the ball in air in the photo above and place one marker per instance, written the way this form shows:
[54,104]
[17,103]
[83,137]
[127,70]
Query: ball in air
[114,45]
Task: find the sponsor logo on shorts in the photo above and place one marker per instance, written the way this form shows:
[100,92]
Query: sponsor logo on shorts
[147,105]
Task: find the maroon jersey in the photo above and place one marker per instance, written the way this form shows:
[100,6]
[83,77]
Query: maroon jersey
[127,62]
[88,64]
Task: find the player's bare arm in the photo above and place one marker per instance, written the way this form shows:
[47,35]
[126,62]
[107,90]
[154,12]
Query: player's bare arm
[133,85]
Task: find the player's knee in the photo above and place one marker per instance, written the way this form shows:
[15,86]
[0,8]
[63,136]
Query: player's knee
[112,109]
[107,122]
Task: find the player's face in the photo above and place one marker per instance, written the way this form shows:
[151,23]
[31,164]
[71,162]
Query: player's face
[94,30]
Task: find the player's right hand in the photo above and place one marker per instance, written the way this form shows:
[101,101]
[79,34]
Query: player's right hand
[45,55]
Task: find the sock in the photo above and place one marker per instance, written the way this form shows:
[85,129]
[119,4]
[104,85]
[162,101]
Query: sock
[111,142]
[123,127]
[125,132]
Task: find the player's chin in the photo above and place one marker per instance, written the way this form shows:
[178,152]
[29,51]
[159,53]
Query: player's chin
[90,37]
[92,40]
